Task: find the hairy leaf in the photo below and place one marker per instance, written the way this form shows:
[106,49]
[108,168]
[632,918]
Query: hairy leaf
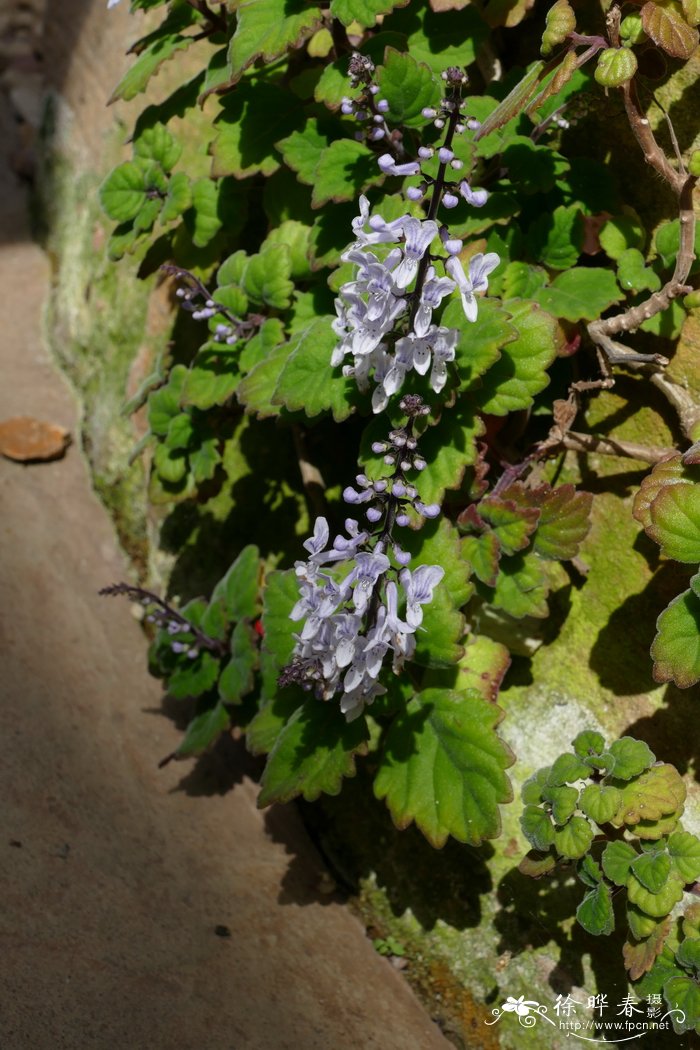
[664,23]
[522,587]
[657,793]
[483,666]
[580,294]
[564,523]
[520,373]
[616,860]
[683,993]
[408,87]
[640,957]
[684,851]
[512,524]
[443,765]
[595,912]
[344,170]
[652,870]
[574,838]
[600,802]
[631,756]
[203,730]
[675,521]
[253,118]
[308,383]
[267,28]
[655,904]
[676,647]
[312,754]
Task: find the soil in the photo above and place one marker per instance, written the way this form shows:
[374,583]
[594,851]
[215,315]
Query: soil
[143,907]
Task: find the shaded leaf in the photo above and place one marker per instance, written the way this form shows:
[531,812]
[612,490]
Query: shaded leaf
[307,382]
[267,29]
[408,86]
[203,730]
[595,912]
[537,827]
[344,170]
[640,957]
[616,860]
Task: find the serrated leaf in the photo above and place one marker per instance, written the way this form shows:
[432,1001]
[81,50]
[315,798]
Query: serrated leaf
[640,957]
[364,12]
[151,58]
[204,459]
[531,792]
[691,921]
[267,29]
[307,382]
[252,119]
[212,379]
[573,839]
[683,993]
[589,871]
[595,912]
[564,523]
[688,953]
[600,802]
[521,280]
[408,86]
[563,802]
[205,201]
[483,666]
[616,860]
[556,238]
[664,23]
[588,743]
[520,373]
[294,237]
[676,647]
[442,630]
[170,464]
[537,827]
[344,170]
[521,588]
[302,150]
[157,144]
[633,275]
[203,730]
[237,676]
[670,471]
[580,294]
[443,765]
[332,86]
[448,449]
[567,769]
[631,756]
[483,553]
[257,389]
[652,870]
[448,39]
[238,591]
[193,677]
[684,851]
[657,793]
[655,904]
[535,864]
[266,278]
[691,10]
[664,967]
[621,233]
[480,342]
[123,193]
[178,198]
[675,521]
[312,754]
[511,523]
[640,925]
[265,728]
[280,595]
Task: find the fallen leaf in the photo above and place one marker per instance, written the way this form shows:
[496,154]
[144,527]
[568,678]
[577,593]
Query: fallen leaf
[30,440]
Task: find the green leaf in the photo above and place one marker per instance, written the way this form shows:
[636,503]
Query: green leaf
[531,792]
[448,449]
[573,839]
[652,870]
[580,294]
[621,233]
[669,471]
[664,967]
[294,237]
[170,464]
[683,993]
[595,912]
[344,170]
[567,769]
[266,278]
[237,676]
[203,730]
[333,84]
[534,865]
[564,523]
[483,666]
[512,524]
[238,591]
[312,754]
[157,144]
[480,341]
[205,459]
[123,193]
[563,802]
[684,851]
[640,925]
[483,553]
[261,345]
[302,150]
[667,240]
[631,756]
[556,238]
[676,647]
[193,677]
[205,200]
[657,793]
[450,38]
[408,87]
[589,742]
[600,802]
[521,588]
[267,725]
[655,904]
[178,199]
[252,119]
[267,29]
[512,382]
[615,66]
[688,953]
[537,827]
[442,631]
[257,390]
[307,382]
[589,871]
[616,860]
[279,598]
[633,275]
[364,12]
[213,377]
[152,57]
[675,521]
[690,925]
[521,280]
[443,766]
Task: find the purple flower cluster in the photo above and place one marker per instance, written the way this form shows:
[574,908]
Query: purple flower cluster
[384,290]
[351,616]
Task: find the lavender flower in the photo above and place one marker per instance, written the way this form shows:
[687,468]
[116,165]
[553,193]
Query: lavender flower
[480,266]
